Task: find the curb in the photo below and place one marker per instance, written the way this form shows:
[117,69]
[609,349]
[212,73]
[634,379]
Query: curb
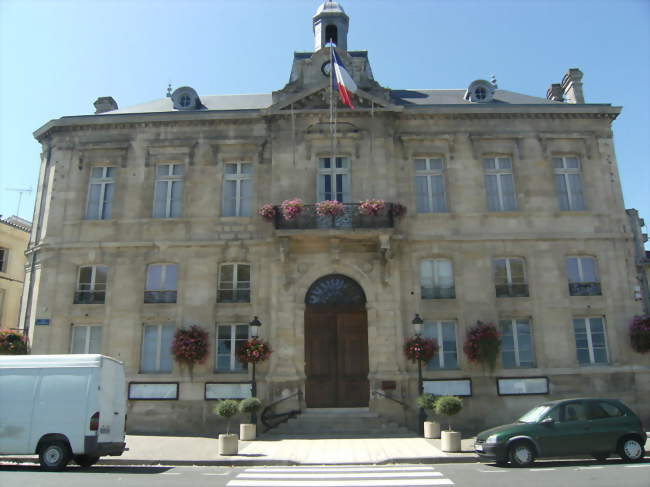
[251,463]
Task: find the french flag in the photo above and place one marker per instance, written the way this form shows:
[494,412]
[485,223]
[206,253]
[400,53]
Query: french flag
[343,80]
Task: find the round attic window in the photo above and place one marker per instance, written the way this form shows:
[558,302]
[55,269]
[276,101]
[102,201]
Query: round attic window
[480,93]
[185,100]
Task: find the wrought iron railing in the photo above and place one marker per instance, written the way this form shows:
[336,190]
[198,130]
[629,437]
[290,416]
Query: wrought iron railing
[350,218]
[89,297]
[386,396]
[270,419]
[234,296]
[512,290]
[438,292]
[160,296]
[584,289]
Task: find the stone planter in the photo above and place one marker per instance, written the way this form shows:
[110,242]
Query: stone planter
[450,441]
[247,432]
[228,444]
[431,429]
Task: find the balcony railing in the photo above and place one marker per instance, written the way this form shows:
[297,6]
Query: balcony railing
[160,296]
[234,296]
[351,218]
[512,290]
[584,289]
[438,292]
[89,297]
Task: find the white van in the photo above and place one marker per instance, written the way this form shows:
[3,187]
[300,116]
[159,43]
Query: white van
[62,407]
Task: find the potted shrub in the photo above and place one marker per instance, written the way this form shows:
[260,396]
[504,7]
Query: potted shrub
[228,443]
[449,406]
[250,405]
[428,403]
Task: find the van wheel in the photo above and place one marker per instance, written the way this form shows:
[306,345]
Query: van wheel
[521,454]
[631,450]
[54,455]
[85,461]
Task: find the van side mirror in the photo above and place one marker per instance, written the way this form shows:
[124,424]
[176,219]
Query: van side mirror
[547,421]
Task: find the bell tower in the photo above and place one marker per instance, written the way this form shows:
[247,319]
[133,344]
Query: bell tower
[330,23]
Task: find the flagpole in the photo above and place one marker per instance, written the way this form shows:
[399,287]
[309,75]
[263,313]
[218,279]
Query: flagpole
[332,117]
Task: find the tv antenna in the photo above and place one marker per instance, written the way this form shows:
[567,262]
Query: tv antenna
[20,196]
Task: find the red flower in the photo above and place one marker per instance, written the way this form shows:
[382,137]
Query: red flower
[254,350]
[420,348]
[190,345]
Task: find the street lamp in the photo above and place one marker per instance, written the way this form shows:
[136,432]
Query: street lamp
[255,327]
[417,327]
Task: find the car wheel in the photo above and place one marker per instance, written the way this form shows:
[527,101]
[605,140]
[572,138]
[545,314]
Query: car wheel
[601,457]
[85,461]
[521,454]
[631,450]
[54,456]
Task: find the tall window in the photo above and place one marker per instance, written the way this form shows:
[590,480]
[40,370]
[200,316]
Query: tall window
[168,198]
[430,192]
[568,183]
[437,279]
[445,333]
[500,184]
[91,285]
[234,283]
[86,339]
[510,278]
[334,179]
[237,189]
[4,254]
[100,193]
[156,348]
[230,338]
[582,273]
[591,344]
[161,283]
[516,344]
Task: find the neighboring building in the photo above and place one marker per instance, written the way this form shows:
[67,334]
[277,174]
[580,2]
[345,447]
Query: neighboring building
[14,237]
[146,221]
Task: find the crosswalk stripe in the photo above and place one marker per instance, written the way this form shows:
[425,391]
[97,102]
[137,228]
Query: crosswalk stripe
[339,469]
[339,483]
[371,475]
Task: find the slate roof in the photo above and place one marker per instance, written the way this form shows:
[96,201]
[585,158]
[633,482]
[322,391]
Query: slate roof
[406,98]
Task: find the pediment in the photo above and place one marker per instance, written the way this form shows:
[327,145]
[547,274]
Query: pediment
[319,99]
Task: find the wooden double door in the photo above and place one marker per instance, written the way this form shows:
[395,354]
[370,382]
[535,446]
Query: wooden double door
[336,356]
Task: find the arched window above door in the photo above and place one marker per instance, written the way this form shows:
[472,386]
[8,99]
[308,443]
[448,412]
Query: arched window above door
[335,289]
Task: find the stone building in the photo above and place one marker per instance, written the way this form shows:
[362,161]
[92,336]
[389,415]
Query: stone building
[14,237]
[147,221]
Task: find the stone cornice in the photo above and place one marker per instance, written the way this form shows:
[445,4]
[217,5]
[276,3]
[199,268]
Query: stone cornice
[247,117]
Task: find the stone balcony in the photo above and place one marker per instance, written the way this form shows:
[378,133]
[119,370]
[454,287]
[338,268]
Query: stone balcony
[350,219]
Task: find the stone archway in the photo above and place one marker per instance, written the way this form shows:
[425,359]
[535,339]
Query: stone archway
[336,343]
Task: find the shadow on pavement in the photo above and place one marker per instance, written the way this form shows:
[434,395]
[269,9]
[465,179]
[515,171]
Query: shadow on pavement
[554,463]
[94,469]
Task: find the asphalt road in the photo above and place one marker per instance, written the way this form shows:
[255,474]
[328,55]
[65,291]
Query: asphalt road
[571,473]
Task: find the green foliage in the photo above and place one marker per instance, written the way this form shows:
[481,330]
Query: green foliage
[449,406]
[226,409]
[250,405]
[426,402]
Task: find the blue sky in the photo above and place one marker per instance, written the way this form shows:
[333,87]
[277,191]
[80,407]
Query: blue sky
[57,57]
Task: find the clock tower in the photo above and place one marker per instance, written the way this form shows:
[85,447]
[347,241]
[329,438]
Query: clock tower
[331,24]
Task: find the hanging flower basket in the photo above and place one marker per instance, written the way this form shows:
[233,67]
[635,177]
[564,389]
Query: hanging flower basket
[398,210]
[482,344]
[420,348]
[371,207]
[267,212]
[329,208]
[292,208]
[13,343]
[190,345]
[254,350]
[640,334]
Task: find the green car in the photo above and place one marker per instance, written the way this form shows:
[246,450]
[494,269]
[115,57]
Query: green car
[589,426]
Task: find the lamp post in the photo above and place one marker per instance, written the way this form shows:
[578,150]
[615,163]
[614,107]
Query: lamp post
[417,327]
[255,326]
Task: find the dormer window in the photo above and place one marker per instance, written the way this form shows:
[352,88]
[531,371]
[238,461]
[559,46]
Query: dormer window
[480,91]
[186,98]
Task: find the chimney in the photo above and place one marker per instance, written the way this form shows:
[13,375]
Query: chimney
[105,104]
[555,92]
[572,86]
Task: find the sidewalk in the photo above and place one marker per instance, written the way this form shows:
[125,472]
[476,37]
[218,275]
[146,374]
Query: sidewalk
[183,450]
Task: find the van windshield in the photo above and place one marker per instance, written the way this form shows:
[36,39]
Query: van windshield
[535,415]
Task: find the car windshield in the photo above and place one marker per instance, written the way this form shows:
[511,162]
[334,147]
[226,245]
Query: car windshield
[535,415]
